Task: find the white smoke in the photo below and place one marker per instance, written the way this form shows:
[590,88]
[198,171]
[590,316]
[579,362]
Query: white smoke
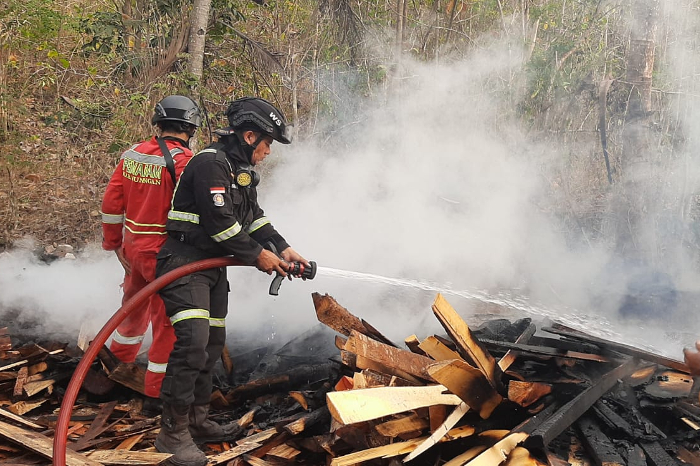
[435,181]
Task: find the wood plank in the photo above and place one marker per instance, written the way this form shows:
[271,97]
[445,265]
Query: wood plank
[522,457]
[130,375]
[438,350]
[129,443]
[365,404]
[412,363]
[234,452]
[413,343]
[362,363]
[22,376]
[96,427]
[527,393]
[20,419]
[504,363]
[467,345]
[42,445]
[23,407]
[308,420]
[284,452]
[403,425]
[33,388]
[437,415]
[468,383]
[260,437]
[467,456]
[497,453]
[128,458]
[396,448]
[335,316]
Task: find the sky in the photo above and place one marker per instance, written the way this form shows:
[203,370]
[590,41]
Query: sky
[428,188]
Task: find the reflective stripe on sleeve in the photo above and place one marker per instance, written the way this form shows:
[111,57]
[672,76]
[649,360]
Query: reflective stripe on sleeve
[156,368]
[183,216]
[217,322]
[230,232]
[119,338]
[257,224]
[112,219]
[145,232]
[189,314]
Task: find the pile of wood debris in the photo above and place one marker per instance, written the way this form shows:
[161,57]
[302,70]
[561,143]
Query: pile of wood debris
[501,393]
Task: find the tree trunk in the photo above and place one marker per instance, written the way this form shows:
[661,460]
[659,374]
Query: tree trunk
[635,197]
[195,47]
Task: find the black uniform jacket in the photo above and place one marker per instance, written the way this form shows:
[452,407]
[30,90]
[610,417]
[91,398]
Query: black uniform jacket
[210,212]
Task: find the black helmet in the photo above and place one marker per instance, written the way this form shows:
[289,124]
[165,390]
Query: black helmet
[177,108]
[256,114]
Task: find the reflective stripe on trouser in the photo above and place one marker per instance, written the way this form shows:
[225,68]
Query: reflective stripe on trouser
[153,312]
[200,337]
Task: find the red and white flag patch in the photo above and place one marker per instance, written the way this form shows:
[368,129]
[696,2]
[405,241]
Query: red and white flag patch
[217,190]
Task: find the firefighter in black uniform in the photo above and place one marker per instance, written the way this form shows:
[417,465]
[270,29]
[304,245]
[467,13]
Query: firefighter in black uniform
[214,213]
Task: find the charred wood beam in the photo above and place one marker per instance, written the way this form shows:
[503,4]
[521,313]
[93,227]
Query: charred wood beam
[657,456]
[598,445]
[543,350]
[574,409]
[296,377]
[635,456]
[613,420]
[566,344]
[565,331]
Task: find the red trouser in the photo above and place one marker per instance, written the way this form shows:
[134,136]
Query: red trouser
[126,341]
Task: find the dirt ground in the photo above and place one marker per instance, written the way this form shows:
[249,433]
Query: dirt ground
[51,185]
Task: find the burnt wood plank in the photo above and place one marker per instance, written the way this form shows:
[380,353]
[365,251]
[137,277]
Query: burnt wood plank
[571,411]
[598,445]
[569,332]
[307,420]
[543,350]
[612,419]
[657,456]
[96,428]
[467,345]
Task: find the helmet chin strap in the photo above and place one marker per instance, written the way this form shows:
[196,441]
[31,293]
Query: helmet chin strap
[248,149]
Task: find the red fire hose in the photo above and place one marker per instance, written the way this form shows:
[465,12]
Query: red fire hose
[61,433]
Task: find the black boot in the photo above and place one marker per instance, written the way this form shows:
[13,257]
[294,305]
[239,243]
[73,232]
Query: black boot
[151,407]
[205,430]
[175,438]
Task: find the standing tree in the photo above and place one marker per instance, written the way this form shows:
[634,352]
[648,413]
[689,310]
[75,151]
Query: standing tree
[195,47]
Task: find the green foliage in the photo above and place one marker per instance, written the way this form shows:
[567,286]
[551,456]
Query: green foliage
[105,31]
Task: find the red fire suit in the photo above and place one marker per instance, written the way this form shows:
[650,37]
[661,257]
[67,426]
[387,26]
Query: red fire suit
[134,211]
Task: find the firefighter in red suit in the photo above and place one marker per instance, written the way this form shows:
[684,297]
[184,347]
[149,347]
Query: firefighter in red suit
[134,212]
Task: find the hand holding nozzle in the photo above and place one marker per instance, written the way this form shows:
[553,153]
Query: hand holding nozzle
[294,269]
